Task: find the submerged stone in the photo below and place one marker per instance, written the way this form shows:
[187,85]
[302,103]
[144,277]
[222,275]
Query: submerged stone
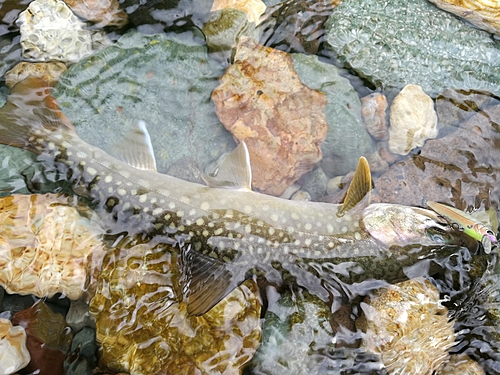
[252,8]
[408,327]
[393,43]
[262,102]
[373,112]
[101,12]
[159,79]
[14,354]
[49,72]
[143,326]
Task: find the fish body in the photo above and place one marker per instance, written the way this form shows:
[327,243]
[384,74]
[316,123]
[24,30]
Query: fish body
[226,232]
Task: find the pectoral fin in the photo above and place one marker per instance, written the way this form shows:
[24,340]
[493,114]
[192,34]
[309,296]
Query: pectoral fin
[359,189]
[136,149]
[208,282]
[234,172]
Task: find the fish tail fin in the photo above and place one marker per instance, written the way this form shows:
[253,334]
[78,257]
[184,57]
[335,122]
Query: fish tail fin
[30,116]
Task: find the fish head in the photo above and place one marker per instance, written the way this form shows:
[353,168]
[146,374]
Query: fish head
[398,225]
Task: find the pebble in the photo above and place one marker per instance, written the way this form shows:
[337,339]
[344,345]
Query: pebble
[373,112]
[14,354]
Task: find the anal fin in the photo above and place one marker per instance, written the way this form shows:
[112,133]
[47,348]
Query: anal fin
[208,281]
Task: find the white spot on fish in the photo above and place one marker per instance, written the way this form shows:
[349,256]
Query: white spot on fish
[265,207]
[271,231]
[180,213]
[205,206]
[331,245]
[108,179]
[121,192]
[308,242]
[91,171]
[126,205]
[290,230]
[294,216]
[192,212]
[308,226]
[110,189]
[200,221]
[344,229]
[218,232]
[297,243]
[185,199]
[133,192]
[157,211]
[205,233]
[51,145]
[167,217]
[143,198]
[248,228]
[247,209]
[153,200]
[171,205]
[329,228]
[215,216]
[357,235]
[274,217]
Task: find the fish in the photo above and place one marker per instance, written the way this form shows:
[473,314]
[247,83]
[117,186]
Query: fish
[225,232]
[466,223]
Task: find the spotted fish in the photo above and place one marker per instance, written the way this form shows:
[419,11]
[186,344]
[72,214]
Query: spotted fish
[225,231]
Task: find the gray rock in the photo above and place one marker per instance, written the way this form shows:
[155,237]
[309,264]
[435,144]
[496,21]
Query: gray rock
[396,42]
[159,79]
[85,342]
[315,183]
[15,302]
[78,316]
[347,138]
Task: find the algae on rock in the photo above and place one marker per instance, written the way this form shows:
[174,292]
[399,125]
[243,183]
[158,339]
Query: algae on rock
[397,42]
[159,79]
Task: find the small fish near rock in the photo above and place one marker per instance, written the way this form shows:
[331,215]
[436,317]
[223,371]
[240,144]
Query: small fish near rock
[408,327]
[46,245]
[413,120]
[262,101]
[14,354]
[484,14]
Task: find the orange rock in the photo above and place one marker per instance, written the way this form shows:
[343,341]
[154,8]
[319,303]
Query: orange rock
[48,71]
[373,109]
[102,12]
[261,100]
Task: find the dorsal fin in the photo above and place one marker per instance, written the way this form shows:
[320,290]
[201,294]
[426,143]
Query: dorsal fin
[234,172]
[136,149]
[359,189]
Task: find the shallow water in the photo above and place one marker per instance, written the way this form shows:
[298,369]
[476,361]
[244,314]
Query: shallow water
[467,280]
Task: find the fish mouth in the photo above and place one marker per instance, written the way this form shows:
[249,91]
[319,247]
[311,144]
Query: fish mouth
[398,225]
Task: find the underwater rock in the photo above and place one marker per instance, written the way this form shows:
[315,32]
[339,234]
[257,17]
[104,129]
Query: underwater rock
[315,183]
[82,357]
[347,138]
[262,101]
[373,109]
[10,53]
[460,364]
[484,14]
[143,326]
[49,72]
[101,12]
[296,25]
[413,120]
[161,80]
[296,337]
[78,316]
[50,31]
[408,327]
[459,169]
[223,31]
[45,244]
[48,338]
[252,8]
[14,354]
[393,43]
[455,106]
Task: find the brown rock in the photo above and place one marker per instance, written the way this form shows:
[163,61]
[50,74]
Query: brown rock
[461,364]
[460,169]
[373,109]
[48,338]
[484,14]
[253,8]
[102,12]
[261,101]
[49,72]
[408,327]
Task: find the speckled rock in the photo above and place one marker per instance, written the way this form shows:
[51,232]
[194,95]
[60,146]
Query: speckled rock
[261,101]
[49,339]
[101,12]
[162,80]
[45,243]
[347,138]
[459,169]
[14,354]
[408,327]
[143,304]
[50,31]
[392,44]
[373,109]
[252,8]
[295,26]
[413,120]
[296,337]
[461,364]
[484,14]
[49,72]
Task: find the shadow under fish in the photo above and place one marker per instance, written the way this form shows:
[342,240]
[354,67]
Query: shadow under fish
[225,231]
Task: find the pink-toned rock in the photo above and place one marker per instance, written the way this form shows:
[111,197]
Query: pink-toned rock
[253,8]
[373,109]
[261,101]
[102,12]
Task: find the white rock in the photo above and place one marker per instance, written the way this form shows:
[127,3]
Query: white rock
[413,120]
[50,31]
[13,352]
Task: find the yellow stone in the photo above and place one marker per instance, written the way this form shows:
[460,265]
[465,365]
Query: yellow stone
[253,8]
